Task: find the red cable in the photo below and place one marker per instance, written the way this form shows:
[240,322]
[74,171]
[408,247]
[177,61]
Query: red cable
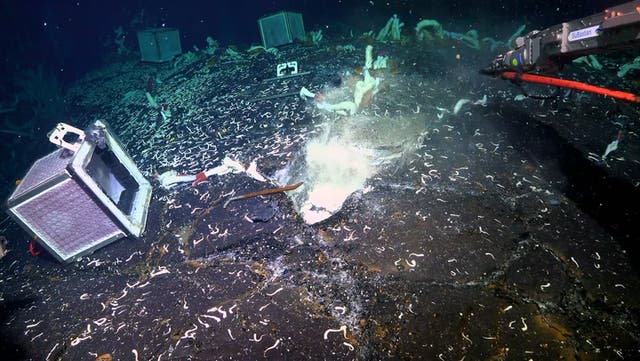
[539,79]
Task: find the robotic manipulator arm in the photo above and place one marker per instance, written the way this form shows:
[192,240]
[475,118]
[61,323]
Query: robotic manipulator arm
[547,50]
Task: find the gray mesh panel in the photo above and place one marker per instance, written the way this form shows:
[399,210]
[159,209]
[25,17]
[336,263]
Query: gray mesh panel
[67,218]
[42,170]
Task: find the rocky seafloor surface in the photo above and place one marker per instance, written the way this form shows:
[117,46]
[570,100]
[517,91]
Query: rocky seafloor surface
[487,234]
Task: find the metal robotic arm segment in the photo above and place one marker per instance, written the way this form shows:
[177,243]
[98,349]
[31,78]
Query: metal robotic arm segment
[617,28]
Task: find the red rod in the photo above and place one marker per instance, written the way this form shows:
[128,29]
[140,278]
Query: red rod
[539,79]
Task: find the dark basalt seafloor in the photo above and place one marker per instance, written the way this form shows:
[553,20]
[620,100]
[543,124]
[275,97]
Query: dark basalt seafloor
[494,238]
